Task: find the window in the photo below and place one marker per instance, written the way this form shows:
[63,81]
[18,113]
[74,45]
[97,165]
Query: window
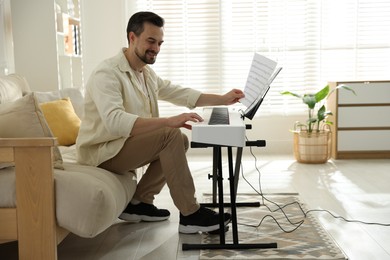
[209,44]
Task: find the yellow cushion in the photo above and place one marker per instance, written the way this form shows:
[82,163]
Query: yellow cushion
[62,120]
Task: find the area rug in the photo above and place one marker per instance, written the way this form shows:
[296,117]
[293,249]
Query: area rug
[308,241]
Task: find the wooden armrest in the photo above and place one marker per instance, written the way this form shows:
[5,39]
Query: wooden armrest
[7,145]
[36,221]
[28,141]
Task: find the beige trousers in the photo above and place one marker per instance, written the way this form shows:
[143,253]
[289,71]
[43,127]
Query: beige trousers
[164,150]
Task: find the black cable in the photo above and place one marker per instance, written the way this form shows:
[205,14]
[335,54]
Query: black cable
[276,221]
[347,220]
[281,208]
[278,207]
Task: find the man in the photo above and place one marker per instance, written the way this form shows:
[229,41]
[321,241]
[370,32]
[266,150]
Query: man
[122,131]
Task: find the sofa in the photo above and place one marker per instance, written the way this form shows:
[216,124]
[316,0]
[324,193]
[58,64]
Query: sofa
[44,193]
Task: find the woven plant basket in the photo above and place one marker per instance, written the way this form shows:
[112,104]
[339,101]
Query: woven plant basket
[312,147]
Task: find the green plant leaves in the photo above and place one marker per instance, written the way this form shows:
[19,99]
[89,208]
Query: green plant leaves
[290,94]
[323,93]
[311,100]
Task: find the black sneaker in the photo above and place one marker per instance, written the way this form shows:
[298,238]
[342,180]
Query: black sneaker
[204,220]
[144,212]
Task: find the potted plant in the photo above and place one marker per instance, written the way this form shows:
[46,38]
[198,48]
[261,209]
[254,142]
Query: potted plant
[312,140]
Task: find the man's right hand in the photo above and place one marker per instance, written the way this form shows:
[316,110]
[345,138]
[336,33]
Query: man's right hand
[182,119]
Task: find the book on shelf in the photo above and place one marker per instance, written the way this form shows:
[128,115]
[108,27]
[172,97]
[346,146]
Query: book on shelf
[76,40]
[72,40]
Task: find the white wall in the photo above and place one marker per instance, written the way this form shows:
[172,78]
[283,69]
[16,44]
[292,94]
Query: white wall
[35,43]
[104,32]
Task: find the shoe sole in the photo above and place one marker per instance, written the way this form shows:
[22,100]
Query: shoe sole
[217,232]
[138,218]
[189,229]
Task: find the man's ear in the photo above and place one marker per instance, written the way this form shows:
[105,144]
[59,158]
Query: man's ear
[132,37]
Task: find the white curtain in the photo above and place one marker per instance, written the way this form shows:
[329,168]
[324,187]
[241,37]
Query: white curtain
[209,44]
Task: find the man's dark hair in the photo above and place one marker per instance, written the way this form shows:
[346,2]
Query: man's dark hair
[137,20]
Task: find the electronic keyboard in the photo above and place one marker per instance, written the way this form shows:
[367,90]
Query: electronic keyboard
[221,126]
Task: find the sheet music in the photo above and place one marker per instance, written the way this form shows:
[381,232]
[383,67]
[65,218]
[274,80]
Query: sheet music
[258,79]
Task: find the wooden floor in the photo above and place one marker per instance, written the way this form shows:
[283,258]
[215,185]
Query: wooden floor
[354,189]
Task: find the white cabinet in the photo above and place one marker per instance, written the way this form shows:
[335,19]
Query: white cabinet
[361,122]
[47,43]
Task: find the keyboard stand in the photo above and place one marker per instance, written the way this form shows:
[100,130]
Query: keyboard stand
[217,159]
[218,188]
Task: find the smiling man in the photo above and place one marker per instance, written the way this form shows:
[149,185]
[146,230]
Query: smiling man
[121,129]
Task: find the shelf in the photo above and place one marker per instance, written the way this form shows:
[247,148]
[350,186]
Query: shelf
[69,43]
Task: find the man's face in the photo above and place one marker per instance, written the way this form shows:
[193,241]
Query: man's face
[147,45]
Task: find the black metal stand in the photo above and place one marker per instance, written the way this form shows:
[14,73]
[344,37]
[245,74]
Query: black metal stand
[218,188]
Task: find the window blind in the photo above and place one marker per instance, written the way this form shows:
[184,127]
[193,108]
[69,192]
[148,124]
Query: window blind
[209,44]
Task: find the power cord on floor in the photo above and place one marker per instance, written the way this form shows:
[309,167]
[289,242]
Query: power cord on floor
[348,220]
[297,224]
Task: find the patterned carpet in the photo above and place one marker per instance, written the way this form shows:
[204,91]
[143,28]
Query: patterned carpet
[309,241]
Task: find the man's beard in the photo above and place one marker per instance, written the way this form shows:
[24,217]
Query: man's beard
[145,59]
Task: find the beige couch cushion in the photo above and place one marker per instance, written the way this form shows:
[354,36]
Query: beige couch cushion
[24,118]
[88,199]
[12,88]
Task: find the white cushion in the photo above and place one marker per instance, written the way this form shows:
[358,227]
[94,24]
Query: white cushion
[12,88]
[88,199]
